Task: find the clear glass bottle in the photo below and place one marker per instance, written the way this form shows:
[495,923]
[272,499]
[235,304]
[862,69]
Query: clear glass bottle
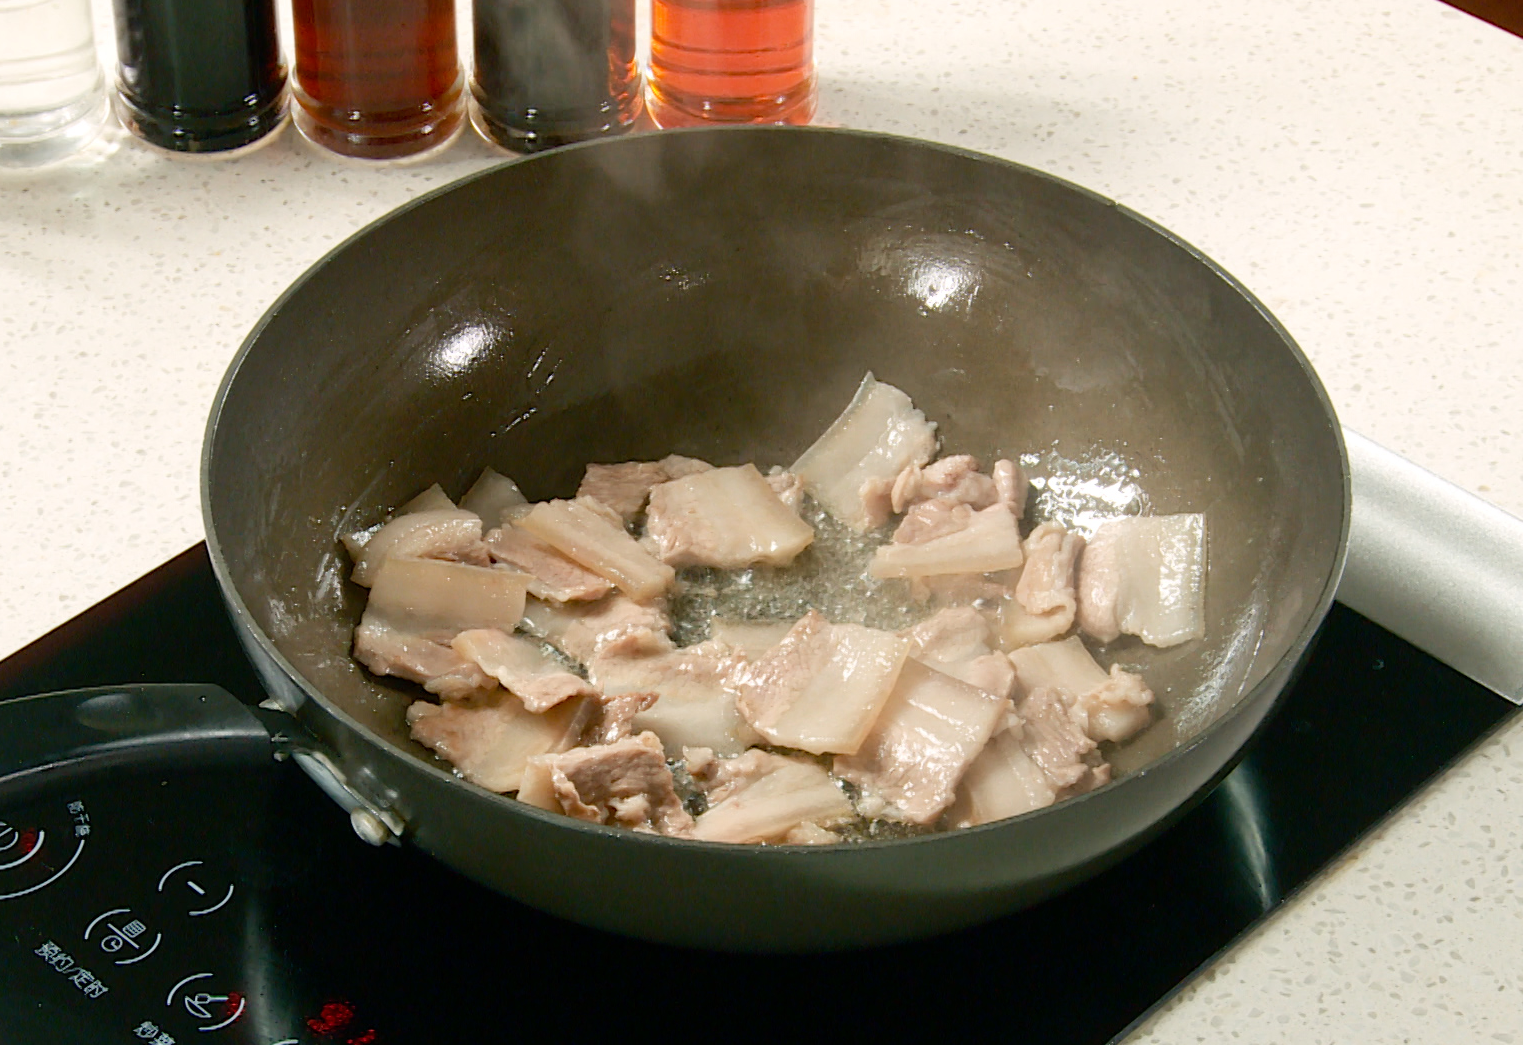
[52,94]
[377,79]
[199,75]
[551,72]
[731,61]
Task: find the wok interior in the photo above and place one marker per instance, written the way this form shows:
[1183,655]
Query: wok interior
[720,294]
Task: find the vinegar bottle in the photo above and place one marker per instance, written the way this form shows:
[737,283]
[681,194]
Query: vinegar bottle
[199,75]
[52,97]
[550,72]
[731,61]
[377,79]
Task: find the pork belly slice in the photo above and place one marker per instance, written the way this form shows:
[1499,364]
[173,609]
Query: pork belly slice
[581,629]
[491,740]
[614,717]
[434,499]
[695,709]
[552,575]
[822,687]
[1055,743]
[580,531]
[1145,576]
[878,434]
[1015,626]
[955,480]
[625,487]
[387,651]
[763,797]
[626,783]
[955,641]
[727,518]
[927,736]
[1003,781]
[1106,706]
[751,637]
[441,599]
[1011,485]
[538,679]
[491,496]
[985,541]
[446,533]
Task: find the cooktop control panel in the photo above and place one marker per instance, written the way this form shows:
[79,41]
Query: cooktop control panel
[146,910]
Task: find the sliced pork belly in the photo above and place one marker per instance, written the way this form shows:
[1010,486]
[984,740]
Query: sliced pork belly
[434,499]
[552,575]
[387,651]
[625,783]
[1015,626]
[491,496]
[491,740]
[447,533]
[1054,742]
[581,629]
[822,687]
[1145,576]
[726,518]
[876,437]
[1106,706]
[763,797]
[984,541]
[926,737]
[788,487]
[523,668]
[625,487]
[751,637]
[1002,782]
[578,530]
[956,641]
[955,480]
[695,709]
[440,599]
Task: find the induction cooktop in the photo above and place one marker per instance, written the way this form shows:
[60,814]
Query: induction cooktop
[185,902]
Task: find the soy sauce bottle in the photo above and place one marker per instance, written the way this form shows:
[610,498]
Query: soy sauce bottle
[199,75]
[550,72]
[377,79]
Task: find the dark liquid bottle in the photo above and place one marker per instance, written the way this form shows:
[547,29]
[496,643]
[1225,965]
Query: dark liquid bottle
[731,61]
[377,78]
[550,72]
[199,75]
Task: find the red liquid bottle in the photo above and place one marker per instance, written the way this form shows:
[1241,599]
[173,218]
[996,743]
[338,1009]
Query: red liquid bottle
[377,79]
[731,61]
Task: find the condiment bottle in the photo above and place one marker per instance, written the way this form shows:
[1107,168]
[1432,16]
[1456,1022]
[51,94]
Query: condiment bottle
[199,75]
[549,72]
[52,96]
[377,79]
[731,61]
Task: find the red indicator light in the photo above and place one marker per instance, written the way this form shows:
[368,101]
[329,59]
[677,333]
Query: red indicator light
[334,1017]
[28,839]
[233,1006]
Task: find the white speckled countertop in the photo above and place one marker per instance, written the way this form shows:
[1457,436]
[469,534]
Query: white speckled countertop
[1359,165]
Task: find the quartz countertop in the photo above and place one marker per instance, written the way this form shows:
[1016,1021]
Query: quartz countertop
[1358,165]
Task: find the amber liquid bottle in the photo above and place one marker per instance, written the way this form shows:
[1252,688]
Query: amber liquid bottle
[377,79]
[551,72]
[731,61]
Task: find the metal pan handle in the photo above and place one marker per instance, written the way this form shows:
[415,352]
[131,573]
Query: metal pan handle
[55,736]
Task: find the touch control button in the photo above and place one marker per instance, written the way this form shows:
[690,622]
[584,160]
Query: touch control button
[205,899]
[202,1002]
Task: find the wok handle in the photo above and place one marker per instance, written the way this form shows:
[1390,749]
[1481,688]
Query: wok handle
[50,737]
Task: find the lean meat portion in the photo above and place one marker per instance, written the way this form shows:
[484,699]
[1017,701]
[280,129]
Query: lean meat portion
[695,709]
[491,740]
[877,435]
[727,518]
[956,641]
[1052,740]
[1145,576]
[625,487]
[522,667]
[1106,706]
[581,629]
[821,688]
[625,783]
[387,651]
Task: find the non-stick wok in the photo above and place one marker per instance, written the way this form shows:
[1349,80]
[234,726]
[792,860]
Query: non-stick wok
[720,294]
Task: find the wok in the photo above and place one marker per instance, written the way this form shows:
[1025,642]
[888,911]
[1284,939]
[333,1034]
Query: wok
[720,293]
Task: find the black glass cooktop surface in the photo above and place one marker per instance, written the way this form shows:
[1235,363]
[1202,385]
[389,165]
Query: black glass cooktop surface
[185,903]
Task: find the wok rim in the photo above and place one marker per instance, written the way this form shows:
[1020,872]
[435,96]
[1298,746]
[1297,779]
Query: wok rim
[1296,650]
